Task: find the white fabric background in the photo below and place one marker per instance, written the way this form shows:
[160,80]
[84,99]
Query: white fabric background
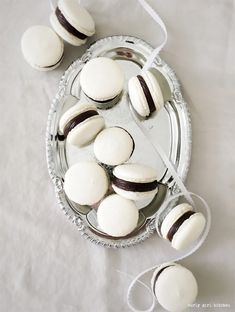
[45,265]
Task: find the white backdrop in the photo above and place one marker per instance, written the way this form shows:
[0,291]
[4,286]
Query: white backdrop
[45,265]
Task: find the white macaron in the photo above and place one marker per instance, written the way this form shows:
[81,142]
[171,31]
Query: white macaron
[182,226]
[102,81]
[113,146]
[72,22]
[86,183]
[80,124]
[135,181]
[42,48]
[117,216]
[145,94]
[174,286]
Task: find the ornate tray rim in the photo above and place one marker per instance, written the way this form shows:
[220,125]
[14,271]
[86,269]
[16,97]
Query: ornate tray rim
[71,215]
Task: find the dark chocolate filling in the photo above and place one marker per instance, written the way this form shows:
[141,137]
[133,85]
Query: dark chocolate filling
[134,186]
[59,137]
[55,63]
[77,120]
[158,274]
[131,138]
[147,94]
[178,223]
[105,101]
[62,20]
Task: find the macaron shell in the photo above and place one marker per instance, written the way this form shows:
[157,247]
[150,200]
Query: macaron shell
[63,33]
[81,183]
[137,97]
[158,269]
[173,216]
[176,288]
[117,216]
[113,146]
[86,131]
[154,89]
[77,16]
[189,231]
[41,47]
[135,173]
[102,79]
[73,112]
[134,195]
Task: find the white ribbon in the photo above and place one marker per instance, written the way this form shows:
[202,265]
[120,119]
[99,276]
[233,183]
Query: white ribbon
[184,192]
[155,17]
[207,214]
[158,149]
[160,22]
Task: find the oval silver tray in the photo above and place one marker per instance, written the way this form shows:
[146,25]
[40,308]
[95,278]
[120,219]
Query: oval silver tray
[171,128]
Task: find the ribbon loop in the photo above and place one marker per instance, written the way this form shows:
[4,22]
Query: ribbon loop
[160,22]
[207,213]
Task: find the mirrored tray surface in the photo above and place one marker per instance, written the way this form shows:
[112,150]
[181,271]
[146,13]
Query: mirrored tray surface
[171,128]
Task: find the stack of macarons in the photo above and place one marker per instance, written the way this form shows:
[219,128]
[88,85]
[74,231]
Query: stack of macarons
[111,182]
[89,183]
[102,82]
[108,182]
[115,190]
[43,47]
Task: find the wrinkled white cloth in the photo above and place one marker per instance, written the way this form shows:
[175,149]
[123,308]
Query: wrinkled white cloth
[45,265]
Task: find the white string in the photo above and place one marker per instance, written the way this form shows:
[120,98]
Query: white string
[158,149]
[148,64]
[160,22]
[132,285]
[207,213]
[145,286]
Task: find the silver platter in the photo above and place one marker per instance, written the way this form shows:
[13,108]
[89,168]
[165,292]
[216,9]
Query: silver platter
[171,128]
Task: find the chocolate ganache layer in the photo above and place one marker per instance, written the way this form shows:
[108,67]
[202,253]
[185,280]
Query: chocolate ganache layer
[134,186]
[159,273]
[103,102]
[77,120]
[147,94]
[62,20]
[55,63]
[178,223]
